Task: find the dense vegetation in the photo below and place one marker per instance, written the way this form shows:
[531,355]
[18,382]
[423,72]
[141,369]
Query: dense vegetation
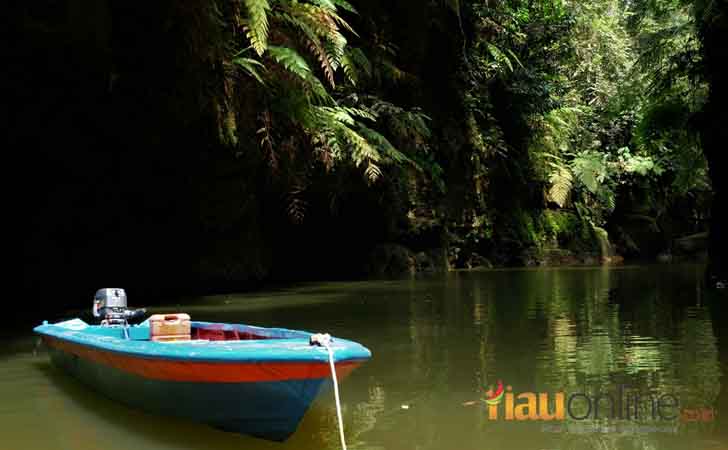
[228,143]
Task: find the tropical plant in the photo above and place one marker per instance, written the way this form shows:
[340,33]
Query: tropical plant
[288,35]
[309,95]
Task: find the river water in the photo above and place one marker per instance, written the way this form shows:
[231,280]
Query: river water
[439,344]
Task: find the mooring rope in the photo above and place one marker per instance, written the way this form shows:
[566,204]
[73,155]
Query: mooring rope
[324,340]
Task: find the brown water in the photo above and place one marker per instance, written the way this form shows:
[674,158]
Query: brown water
[438,344]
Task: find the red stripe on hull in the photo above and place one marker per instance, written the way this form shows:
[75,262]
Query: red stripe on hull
[202,371]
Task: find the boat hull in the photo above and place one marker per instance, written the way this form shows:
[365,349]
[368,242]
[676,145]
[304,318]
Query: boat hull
[266,400]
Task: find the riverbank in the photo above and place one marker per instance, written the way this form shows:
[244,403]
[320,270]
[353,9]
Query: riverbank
[450,143]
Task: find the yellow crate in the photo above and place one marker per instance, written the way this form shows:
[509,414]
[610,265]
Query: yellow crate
[170,327]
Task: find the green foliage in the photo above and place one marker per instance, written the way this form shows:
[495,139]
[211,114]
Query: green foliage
[292,61]
[590,168]
[640,165]
[631,87]
[257,26]
[567,230]
[308,99]
[560,223]
[562,182]
[595,175]
[500,60]
[250,66]
[590,99]
[355,63]
[300,44]
[602,52]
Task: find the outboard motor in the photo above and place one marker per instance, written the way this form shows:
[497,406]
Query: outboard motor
[110,306]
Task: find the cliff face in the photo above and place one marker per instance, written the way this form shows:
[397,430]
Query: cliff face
[713,31]
[129,179]
[104,129]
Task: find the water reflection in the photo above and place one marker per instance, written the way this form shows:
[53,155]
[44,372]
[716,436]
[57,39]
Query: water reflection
[438,344]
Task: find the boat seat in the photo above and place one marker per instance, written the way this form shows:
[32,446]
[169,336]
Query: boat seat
[249,336]
[216,334]
[231,335]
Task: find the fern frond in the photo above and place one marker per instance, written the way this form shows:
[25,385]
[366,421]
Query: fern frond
[383,145]
[335,47]
[320,19]
[266,139]
[331,116]
[499,57]
[608,199]
[515,58]
[294,105]
[331,142]
[296,204]
[343,24]
[346,6]
[313,42]
[589,168]
[325,4]
[257,26]
[327,65]
[561,184]
[325,145]
[359,60]
[296,210]
[361,150]
[418,123]
[408,125]
[326,17]
[291,60]
[372,172]
[349,70]
[250,65]
[393,72]
[319,91]
[360,112]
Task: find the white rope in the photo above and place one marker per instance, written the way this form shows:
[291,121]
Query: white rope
[325,341]
[336,396]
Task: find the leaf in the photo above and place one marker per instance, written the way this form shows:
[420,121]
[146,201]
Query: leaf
[499,56]
[589,169]
[335,47]
[335,114]
[326,64]
[515,58]
[343,23]
[321,50]
[362,113]
[346,6]
[349,69]
[372,172]
[296,204]
[361,150]
[291,60]
[250,65]
[561,184]
[383,145]
[326,4]
[257,29]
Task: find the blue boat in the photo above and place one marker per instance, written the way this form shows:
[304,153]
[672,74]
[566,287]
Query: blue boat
[238,378]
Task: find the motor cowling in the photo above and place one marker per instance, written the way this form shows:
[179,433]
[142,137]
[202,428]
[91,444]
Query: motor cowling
[110,305]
